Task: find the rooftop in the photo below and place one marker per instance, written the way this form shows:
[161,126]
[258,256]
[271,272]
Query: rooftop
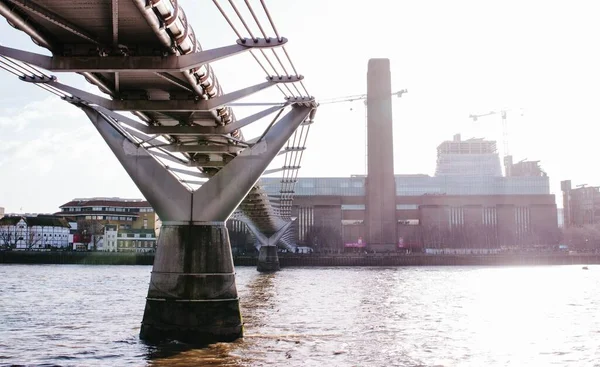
[40,220]
[104,202]
[114,198]
[469,146]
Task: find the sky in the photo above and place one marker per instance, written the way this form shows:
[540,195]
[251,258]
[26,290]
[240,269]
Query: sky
[538,58]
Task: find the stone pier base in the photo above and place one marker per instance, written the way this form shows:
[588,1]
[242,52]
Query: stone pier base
[268,261]
[192,296]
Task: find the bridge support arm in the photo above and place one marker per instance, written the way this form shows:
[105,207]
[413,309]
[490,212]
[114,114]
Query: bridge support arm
[221,195]
[168,197]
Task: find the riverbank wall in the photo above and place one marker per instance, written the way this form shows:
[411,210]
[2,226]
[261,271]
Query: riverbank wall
[307,260]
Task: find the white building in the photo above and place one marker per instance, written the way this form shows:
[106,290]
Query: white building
[128,240]
[110,238]
[34,232]
[72,232]
[1,212]
[136,240]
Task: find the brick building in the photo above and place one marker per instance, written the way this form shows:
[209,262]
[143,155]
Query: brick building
[468,203]
[430,211]
[91,218]
[581,204]
[125,213]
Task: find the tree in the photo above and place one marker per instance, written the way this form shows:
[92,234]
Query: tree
[32,238]
[241,241]
[322,236]
[583,238]
[7,239]
[92,228]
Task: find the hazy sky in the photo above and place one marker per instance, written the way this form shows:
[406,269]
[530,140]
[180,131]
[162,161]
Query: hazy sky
[454,57]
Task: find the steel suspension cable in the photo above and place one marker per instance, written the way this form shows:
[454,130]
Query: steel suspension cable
[284,49]
[227,19]
[256,19]
[266,72]
[242,20]
[270,20]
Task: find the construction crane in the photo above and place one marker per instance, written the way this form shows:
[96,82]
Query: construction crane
[502,112]
[359,97]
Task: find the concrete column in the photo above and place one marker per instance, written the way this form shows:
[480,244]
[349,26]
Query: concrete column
[268,261]
[381,185]
[192,295]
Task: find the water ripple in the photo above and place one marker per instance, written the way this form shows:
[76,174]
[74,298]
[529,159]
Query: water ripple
[69,315]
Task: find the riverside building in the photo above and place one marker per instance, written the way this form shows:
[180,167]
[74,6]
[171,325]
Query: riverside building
[468,203]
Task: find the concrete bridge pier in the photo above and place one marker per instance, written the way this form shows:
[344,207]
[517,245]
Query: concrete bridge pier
[268,261]
[192,295]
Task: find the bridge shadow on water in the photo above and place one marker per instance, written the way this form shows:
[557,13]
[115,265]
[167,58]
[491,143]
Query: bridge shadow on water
[180,354]
[255,304]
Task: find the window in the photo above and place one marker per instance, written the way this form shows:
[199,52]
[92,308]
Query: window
[353,207]
[406,206]
[145,223]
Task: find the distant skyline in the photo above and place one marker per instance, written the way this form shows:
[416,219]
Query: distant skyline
[455,58]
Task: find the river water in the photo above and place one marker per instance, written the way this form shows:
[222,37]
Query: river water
[70,315]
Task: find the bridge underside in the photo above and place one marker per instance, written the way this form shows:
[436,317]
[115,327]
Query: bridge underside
[184,150]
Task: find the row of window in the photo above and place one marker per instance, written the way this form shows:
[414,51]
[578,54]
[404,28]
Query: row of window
[38,233]
[112,234]
[407,206]
[108,217]
[145,244]
[137,235]
[351,186]
[417,185]
[108,209]
[353,207]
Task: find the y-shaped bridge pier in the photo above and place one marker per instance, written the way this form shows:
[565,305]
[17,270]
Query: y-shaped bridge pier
[184,150]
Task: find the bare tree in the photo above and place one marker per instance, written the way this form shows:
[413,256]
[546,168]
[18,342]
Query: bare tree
[583,238]
[32,239]
[92,228]
[7,239]
[324,237]
[241,241]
